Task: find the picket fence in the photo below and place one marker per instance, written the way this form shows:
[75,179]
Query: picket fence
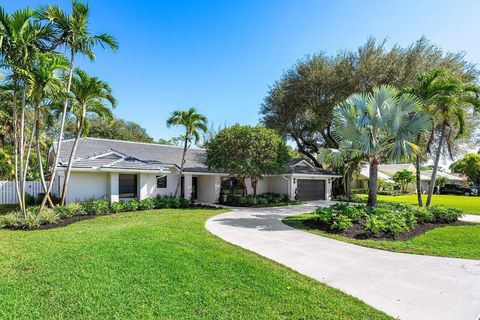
[8,193]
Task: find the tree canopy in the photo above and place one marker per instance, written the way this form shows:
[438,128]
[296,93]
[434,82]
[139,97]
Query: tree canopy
[248,152]
[403,178]
[468,166]
[300,104]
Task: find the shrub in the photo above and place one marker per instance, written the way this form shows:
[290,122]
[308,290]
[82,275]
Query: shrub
[131,205]
[29,199]
[49,216]
[262,200]
[31,220]
[118,206]
[251,201]
[374,224]
[324,215]
[10,220]
[160,203]
[395,224]
[184,203]
[96,207]
[423,215]
[147,204]
[446,215]
[341,222]
[173,202]
[70,210]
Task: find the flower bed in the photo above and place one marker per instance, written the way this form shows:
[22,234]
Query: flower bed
[64,215]
[385,221]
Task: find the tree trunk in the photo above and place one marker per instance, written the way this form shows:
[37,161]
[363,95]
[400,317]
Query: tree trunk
[254,186]
[60,136]
[15,140]
[184,156]
[419,182]
[302,150]
[348,184]
[70,159]
[244,185]
[373,181]
[435,166]
[39,155]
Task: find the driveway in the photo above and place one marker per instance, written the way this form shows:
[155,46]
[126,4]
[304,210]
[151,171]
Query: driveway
[402,285]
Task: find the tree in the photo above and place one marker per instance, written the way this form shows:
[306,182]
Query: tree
[469,166]
[449,110]
[117,129]
[381,125]
[72,32]
[247,152]
[441,181]
[300,104]
[403,178]
[193,123]
[89,95]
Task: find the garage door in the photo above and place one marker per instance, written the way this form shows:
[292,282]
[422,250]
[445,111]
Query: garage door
[311,190]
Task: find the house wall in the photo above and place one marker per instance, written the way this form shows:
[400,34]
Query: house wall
[278,185]
[208,188]
[88,185]
[262,186]
[172,180]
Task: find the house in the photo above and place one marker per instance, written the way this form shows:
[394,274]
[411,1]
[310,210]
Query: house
[122,170]
[387,171]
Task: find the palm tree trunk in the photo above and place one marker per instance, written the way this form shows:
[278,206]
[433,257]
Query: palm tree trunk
[21,200]
[373,181]
[60,135]
[185,147]
[348,184]
[419,182]
[15,140]
[435,166]
[39,155]
[70,161]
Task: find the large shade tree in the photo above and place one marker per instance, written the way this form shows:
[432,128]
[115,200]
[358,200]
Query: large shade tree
[382,125]
[247,152]
[469,166]
[194,124]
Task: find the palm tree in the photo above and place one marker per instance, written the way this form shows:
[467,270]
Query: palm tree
[89,96]
[22,38]
[45,84]
[380,125]
[73,33]
[193,122]
[448,110]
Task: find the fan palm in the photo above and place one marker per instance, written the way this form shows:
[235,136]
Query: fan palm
[89,95]
[193,123]
[381,125]
[72,32]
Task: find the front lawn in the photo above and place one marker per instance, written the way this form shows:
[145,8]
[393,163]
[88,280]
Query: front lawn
[154,264]
[450,241]
[470,205]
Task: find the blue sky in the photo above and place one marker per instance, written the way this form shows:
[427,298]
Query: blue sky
[221,56]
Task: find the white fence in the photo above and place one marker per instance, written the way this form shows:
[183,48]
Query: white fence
[8,193]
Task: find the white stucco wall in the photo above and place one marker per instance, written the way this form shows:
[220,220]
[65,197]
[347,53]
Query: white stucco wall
[262,186]
[88,185]
[172,180]
[208,188]
[277,185]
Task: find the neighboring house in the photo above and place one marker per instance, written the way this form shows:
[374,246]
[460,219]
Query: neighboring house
[122,170]
[386,172]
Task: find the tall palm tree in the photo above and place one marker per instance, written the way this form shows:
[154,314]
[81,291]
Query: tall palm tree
[380,125]
[193,123]
[45,84]
[449,110]
[73,33]
[89,95]
[22,38]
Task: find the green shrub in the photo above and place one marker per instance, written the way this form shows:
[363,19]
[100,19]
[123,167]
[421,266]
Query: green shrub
[96,207]
[160,203]
[147,204]
[70,210]
[131,205]
[118,206]
[251,201]
[49,216]
[324,215]
[341,222]
[262,200]
[31,220]
[29,199]
[395,224]
[184,203]
[446,215]
[10,220]
[173,202]
[375,224]
[423,215]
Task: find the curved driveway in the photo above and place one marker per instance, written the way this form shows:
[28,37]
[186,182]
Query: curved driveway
[403,285]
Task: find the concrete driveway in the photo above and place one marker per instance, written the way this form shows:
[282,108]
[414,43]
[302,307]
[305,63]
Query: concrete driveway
[406,286]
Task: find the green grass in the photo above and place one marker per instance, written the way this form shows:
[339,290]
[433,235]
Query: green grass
[451,241]
[154,264]
[470,205]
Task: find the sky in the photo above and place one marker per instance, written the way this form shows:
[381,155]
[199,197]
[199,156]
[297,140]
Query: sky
[222,56]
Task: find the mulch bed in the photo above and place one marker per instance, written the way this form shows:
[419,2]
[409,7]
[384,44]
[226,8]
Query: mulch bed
[60,223]
[357,231]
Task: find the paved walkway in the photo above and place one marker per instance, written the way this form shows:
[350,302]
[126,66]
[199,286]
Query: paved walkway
[403,285]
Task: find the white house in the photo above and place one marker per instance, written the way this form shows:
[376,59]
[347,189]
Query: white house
[122,170]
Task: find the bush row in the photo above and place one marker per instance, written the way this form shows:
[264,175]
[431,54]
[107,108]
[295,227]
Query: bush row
[92,207]
[389,218]
[261,199]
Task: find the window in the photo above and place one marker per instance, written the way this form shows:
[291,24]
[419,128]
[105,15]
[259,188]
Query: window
[161,181]
[127,185]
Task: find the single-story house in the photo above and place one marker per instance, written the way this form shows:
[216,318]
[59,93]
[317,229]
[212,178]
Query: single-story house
[121,170]
[386,172]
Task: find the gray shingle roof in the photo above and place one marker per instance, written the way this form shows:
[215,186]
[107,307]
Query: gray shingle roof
[142,156]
